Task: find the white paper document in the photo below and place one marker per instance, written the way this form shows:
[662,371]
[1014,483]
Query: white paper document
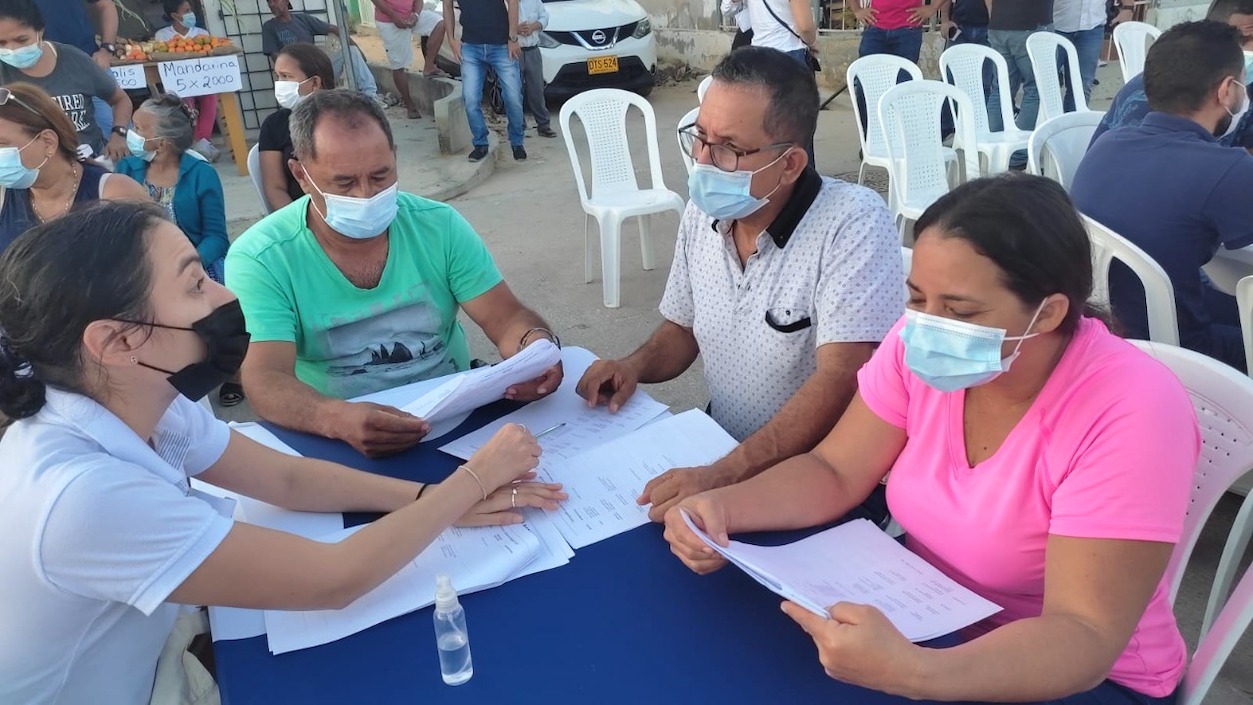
[467,392]
[604,482]
[476,558]
[856,562]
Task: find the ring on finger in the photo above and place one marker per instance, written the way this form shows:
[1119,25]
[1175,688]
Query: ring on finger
[513,498]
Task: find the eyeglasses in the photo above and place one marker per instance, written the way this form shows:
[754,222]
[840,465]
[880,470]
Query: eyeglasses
[724,157]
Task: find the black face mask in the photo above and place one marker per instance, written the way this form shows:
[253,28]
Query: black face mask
[225,335]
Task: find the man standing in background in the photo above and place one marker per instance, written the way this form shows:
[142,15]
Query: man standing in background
[963,22]
[1083,23]
[892,26]
[489,38]
[1010,22]
[532,20]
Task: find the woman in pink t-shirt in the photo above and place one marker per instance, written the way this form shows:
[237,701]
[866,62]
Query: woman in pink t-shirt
[1035,458]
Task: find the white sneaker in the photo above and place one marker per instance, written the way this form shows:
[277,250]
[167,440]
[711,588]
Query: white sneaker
[205,149]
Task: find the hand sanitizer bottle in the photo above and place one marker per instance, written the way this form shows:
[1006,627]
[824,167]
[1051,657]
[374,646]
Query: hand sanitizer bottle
[451,636]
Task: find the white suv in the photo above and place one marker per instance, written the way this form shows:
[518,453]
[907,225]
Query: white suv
[590,44]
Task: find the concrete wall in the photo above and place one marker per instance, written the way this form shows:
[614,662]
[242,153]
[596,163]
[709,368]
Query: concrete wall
[702,48]
[1169,13]
[440,97]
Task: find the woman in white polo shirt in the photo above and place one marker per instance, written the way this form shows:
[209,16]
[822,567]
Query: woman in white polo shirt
[111,330]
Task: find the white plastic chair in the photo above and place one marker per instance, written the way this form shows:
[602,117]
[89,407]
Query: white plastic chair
[1058,145]
[875,74]
[919,170]
[1215,648]
[703,87]
[1132,40]
[962,66]
[907,259]
[615,194]
[254,173]
[1244,299]
[1043,47]
[1107,246]
[688,118]
[1223,401]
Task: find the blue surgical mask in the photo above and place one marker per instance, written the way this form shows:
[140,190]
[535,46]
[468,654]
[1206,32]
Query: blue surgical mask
[23,57]
[1248,66]
[950,355]
[135,142]
[359,218]
[14,174]
[189,20]
[726,195]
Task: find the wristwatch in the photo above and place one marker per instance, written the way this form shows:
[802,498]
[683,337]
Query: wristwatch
[109,47]
[513,39]
[119,131]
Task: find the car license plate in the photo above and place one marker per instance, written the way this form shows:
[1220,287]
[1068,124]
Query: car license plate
[602,64]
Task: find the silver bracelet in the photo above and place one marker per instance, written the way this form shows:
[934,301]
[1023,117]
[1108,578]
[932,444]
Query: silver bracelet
[482,487]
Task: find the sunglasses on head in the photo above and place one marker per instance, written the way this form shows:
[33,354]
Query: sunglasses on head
[6,95]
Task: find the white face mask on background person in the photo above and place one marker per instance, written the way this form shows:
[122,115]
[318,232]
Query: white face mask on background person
[1237,115]
[287,93]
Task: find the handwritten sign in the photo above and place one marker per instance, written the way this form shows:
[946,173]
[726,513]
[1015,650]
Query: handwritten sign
[192,77]
[130,77]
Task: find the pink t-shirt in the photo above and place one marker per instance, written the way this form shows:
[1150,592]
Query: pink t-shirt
[405,7]
[894,14]
[1107,451]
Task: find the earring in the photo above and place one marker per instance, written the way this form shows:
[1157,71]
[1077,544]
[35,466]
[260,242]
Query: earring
[134,360]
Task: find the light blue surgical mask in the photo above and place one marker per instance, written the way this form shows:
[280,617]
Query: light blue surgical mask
[23,57]
[359,218]
[726,195]
[189,20]
[135,142]
[1248,66]
[14,174]
[950,355]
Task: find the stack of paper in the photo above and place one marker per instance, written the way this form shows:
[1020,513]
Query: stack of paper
[476,558]
[469,391]
[856,562]
[603,483]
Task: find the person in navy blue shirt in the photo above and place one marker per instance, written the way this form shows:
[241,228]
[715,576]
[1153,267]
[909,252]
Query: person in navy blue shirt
[1169,186]
[1130,105]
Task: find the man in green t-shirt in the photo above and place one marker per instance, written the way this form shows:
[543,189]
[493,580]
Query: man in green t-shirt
[355,287]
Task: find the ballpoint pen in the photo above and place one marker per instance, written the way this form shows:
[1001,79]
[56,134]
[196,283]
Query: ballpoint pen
[549,430]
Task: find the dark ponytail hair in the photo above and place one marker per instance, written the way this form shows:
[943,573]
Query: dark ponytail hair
[60,277]
[1028,226]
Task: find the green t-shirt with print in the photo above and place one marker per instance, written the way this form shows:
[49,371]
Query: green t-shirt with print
[352,341]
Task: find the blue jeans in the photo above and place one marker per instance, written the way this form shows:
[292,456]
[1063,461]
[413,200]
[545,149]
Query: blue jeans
[475,58]
[363,79]
[104,118]
[905,42]
[1088,45]
[1013,46]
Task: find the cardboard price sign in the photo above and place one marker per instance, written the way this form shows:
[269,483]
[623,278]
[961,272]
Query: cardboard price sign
[206,76]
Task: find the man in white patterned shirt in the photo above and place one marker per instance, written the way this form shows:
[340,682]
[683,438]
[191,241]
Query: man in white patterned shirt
[783,281]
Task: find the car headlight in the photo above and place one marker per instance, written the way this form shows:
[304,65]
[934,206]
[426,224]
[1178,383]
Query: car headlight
[642,29]
[546,41]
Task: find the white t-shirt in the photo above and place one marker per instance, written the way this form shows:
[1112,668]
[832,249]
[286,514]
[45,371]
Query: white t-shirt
[767,31]
[165,34]
[1078,15]
[827,270]
[99,528]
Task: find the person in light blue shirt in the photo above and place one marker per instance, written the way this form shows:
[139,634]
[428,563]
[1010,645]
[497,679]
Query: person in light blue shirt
[532,19]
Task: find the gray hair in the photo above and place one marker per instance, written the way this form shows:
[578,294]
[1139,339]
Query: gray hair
[348,106]
[792,114]
[175,121]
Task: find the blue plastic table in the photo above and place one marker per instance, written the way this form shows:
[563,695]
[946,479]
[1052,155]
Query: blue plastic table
[624,622]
